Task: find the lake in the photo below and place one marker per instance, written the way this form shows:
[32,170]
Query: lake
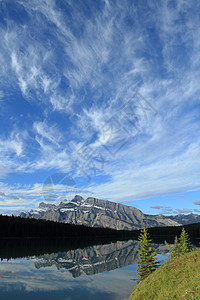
[32,270]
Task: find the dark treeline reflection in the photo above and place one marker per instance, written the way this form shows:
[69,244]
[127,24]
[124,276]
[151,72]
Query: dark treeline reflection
[74,255]
[19,247]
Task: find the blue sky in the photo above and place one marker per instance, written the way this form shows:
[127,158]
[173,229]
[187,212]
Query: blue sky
[100,98]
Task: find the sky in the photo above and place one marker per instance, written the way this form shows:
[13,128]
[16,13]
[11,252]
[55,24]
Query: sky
[100,98]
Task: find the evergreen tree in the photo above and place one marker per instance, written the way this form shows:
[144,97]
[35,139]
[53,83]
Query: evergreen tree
[181,247]
[146,262]
[176,247]
[175,251]
[171,250]
[184,242]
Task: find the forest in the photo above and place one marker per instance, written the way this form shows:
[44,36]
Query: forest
[12,227]
[17,227]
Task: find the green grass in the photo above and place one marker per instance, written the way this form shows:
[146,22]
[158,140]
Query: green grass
[178,278]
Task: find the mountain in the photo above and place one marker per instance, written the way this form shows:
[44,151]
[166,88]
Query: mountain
[98,213]
[186,219]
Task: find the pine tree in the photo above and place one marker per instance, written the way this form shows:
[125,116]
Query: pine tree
[184,242]
[171,250]
[175,251]
[181,247]
[146,262]
[176,247]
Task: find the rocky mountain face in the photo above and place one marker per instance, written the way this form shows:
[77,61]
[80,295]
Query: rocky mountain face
[98,213]
[186,219]
[95,259]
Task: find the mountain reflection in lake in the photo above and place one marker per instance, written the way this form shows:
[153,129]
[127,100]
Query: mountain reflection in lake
[95,272]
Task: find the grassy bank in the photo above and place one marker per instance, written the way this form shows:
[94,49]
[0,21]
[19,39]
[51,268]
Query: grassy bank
[176,279]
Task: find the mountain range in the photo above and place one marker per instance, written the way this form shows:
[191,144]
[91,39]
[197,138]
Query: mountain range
[186,219]
[102,213]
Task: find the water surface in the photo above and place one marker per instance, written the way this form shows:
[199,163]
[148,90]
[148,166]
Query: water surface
[93,272]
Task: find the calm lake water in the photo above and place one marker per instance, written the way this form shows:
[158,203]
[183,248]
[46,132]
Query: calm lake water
[94,272]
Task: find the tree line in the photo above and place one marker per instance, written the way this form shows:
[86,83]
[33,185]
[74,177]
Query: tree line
[12,227]
[24,227]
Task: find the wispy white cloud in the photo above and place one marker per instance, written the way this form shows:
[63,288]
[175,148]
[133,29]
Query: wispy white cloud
[12,151]
[48,132]
[164,175]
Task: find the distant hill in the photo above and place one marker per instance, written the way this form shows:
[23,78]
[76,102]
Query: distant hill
[95,212]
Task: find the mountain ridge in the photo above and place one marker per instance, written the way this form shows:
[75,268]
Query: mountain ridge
[186,219]
[96,212]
